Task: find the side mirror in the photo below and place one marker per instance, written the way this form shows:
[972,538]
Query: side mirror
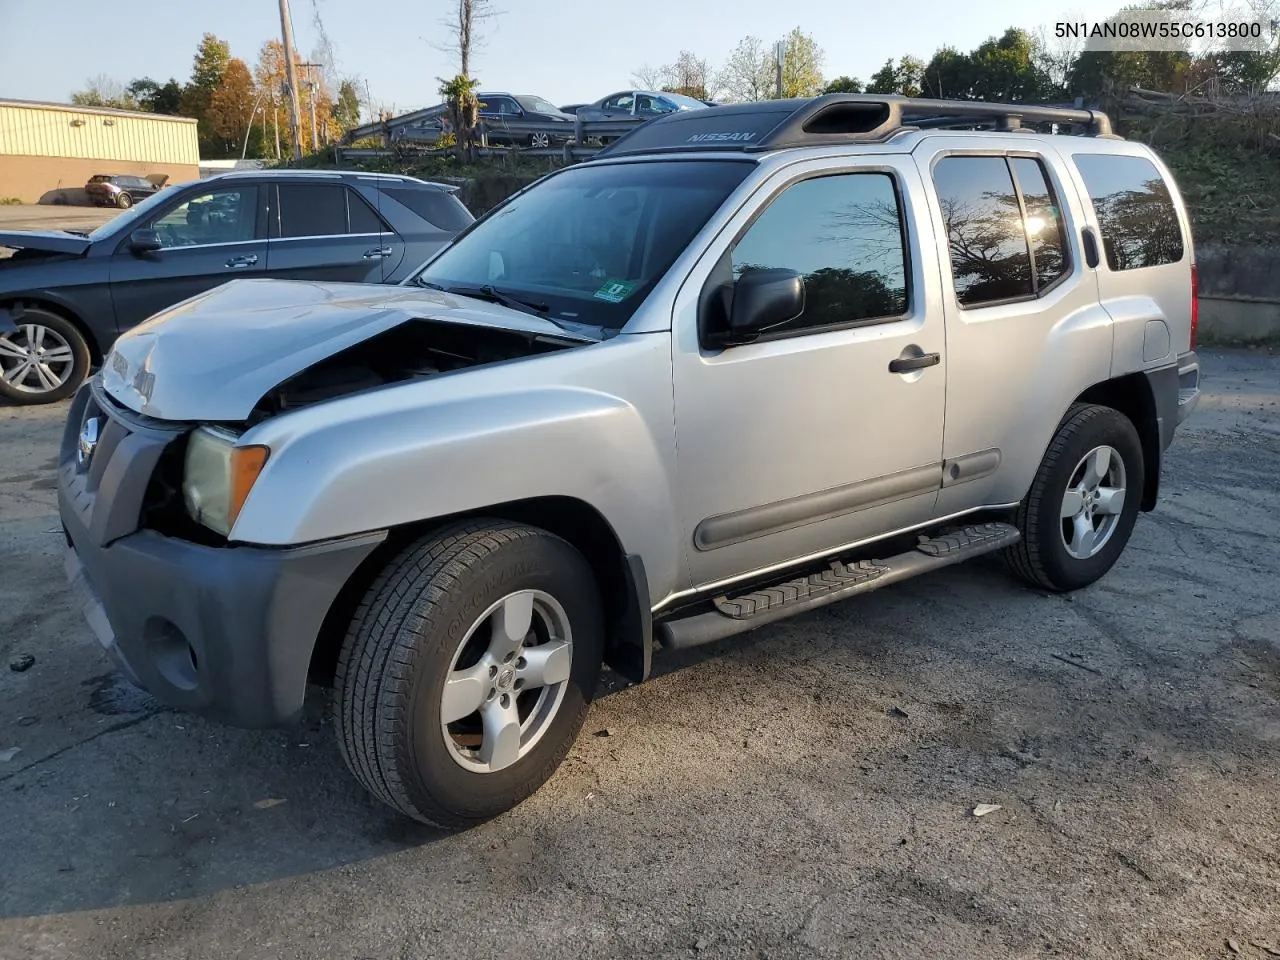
[144,241]
[762,300]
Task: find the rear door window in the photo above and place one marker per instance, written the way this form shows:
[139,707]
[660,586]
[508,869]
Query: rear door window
[362,217]
[312,209]
[1005,232]
[1135,210]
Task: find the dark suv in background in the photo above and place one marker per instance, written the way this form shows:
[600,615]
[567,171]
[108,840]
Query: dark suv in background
[65,296]
[109,190]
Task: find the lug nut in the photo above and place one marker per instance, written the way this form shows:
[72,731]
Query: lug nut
[506,701]
[493,672]
[521,663]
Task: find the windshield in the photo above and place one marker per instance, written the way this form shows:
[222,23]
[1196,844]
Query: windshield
[136,214]
[687,103]
[591,242]
[537,105]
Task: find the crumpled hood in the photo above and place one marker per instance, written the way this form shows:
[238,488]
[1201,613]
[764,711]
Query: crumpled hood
[213,357]
[51,241]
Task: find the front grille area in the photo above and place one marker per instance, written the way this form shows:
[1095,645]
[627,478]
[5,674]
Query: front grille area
[107,463]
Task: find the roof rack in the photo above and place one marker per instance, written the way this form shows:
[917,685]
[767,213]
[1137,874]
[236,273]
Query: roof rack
[838,118]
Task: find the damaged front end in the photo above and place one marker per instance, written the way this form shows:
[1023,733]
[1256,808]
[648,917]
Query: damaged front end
[411,351]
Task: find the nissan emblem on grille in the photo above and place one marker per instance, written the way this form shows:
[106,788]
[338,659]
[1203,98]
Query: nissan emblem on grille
[88,441]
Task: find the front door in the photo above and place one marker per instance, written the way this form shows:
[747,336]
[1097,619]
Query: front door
[207,237]
[806,440]
[323,231]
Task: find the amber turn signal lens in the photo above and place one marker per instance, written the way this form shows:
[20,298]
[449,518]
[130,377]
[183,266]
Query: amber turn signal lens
[246,464]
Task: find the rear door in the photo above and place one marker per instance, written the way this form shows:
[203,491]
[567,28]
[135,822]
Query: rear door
[208,236]
[313,234]
[1025,332]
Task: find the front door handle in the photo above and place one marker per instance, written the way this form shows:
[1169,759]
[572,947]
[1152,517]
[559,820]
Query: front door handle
[377,253]
[239,263]
[907,364]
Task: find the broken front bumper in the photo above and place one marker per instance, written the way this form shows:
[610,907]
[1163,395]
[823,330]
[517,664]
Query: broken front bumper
[224,631]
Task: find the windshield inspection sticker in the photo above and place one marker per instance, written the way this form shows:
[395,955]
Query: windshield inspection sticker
[615,291]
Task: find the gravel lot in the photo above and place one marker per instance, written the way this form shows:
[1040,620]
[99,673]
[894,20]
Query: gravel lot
[804,791]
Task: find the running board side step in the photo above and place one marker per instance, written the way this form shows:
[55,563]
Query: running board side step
[738,614]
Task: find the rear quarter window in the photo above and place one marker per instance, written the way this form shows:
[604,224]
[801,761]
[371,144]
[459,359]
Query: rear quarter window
[441,209]
[1135,210]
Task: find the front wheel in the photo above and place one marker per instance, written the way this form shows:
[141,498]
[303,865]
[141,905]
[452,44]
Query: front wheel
[466,673]
[44,360]
[1083,502]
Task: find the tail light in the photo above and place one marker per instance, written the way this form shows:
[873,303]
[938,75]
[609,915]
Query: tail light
[1195,303]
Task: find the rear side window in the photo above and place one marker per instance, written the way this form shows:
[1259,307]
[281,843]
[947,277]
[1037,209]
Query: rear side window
[442,210]
[1005,233]
[1134,208]
[363,219]
[312,210]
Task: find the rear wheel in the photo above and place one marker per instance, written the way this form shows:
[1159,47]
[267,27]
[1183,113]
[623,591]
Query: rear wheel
[1083,503]
[539,140]
[44,360]
[467,671]
[124,200]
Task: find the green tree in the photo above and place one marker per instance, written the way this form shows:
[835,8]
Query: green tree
[1008,70]
[1102,73]
[801,65]
[208,68]
[464,111]
[903,78]
[843,85]
[154,98]
[949,75]
[347,110]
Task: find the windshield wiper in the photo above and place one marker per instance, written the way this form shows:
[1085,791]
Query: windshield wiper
[493,295]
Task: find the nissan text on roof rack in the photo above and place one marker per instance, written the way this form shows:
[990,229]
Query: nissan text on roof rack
[749,361]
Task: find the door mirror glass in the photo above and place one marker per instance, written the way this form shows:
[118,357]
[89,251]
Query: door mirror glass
[144,241]
[762,300]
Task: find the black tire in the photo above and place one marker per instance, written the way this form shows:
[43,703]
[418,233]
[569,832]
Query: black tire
[1041,556]
[401,642]
[64,328]
[124,200]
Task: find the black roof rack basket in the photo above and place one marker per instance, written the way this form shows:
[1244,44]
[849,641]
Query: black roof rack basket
[839,118]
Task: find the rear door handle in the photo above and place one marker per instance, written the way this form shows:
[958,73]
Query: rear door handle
[1090,247]
[907,364]
[377,253]
[239,263]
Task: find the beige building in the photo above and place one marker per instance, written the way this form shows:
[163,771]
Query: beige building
[50,150]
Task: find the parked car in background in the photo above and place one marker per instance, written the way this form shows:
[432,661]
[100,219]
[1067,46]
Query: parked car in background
[65,296]
[504,113]
[111,190]
[638,103]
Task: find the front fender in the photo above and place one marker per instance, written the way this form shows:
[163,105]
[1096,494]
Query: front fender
[419,451]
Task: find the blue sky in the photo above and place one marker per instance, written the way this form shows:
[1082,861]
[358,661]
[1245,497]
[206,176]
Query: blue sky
[564,50]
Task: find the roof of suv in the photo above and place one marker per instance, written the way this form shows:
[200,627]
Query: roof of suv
[343,176]
[838,119]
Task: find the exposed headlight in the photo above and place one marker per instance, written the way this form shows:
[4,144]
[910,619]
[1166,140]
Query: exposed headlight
[218,477]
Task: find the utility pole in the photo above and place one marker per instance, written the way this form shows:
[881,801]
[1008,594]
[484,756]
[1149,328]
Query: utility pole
[368,98]
[295,115]
[312,86]
[780,52]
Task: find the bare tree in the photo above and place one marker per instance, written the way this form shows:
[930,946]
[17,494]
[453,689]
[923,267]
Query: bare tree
[748,74]
[465,28]
[650,78]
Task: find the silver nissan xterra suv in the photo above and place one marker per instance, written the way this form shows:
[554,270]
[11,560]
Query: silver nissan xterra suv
[748,361]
